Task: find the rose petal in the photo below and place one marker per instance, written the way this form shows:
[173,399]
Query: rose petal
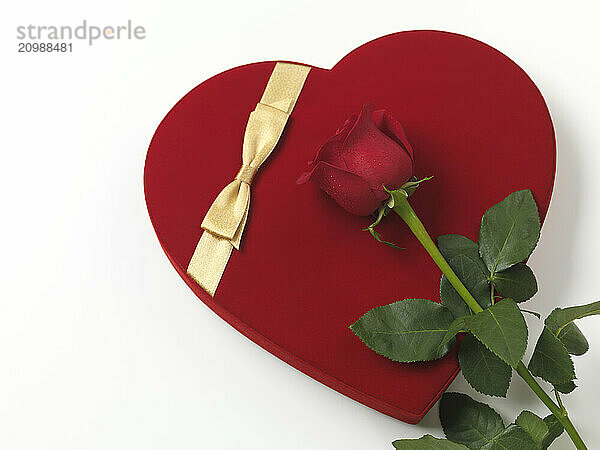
[332,150]
[304,177]
[348,190]
[375,157]
[347,126]
[392,128]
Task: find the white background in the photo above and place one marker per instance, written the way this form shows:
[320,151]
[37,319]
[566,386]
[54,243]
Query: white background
[102,346]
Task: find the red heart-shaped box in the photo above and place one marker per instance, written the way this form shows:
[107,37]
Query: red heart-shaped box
[305,270]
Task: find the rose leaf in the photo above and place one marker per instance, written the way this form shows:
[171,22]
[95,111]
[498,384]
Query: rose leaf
[484,371]
[452,245]
[474,279]
[533,425]
[509,231]
[550,360]
[517,282]
[502,329]
[406,331]
[555,429]
[468,422]
[560,323]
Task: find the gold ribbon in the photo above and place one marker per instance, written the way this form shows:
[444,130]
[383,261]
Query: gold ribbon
[224,222]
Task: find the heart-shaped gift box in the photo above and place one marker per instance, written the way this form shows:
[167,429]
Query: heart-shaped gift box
[306,270]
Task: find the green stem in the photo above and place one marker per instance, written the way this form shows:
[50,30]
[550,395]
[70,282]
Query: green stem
[558,400]
[559,412]
[405,211]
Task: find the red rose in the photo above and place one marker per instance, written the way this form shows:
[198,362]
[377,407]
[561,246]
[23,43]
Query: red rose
[368,152]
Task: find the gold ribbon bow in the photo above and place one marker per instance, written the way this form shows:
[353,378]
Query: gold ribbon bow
[224,222]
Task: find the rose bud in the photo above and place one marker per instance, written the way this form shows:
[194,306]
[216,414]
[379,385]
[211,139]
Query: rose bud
[367,153]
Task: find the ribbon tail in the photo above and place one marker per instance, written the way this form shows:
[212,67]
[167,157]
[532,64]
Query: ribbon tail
[236,241]
[228,210]
[209,261]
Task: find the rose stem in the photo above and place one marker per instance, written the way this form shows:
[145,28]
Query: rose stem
[405,211]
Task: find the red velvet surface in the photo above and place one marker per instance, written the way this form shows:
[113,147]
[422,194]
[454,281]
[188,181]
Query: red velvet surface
[306,270]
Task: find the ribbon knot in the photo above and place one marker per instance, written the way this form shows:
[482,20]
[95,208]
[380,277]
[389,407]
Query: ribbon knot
[246,173]
[227,216]
[225,221]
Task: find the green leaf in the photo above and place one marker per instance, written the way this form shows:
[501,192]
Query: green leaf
[427,442]
[406,331]
[555,429]
[468,422]
[550,360]
[483,370]
[509,231]
[533,313]
[502,329]
[533,425]
[517,282]
[573,339]
[561,317]
[452,245]
[560,323]
[474,279]
[513,437]
[565,388]
[457,326]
